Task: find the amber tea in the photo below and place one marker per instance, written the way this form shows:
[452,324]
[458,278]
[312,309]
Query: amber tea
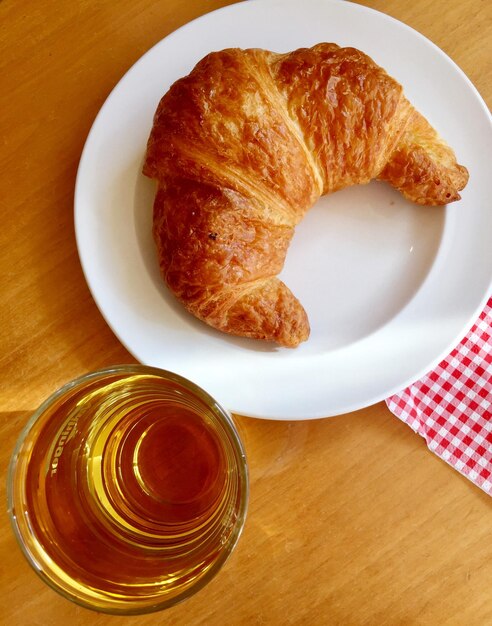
[128,489]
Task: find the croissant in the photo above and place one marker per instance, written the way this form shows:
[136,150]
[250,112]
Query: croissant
[246,143]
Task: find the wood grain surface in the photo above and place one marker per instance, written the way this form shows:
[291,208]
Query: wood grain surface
[352,521]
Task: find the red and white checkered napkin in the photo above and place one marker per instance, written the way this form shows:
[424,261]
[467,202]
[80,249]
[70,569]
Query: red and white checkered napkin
[451,406]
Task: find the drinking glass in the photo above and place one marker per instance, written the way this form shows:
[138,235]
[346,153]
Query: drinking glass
[128,489]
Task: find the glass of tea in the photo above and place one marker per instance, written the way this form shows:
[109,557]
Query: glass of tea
[128,489]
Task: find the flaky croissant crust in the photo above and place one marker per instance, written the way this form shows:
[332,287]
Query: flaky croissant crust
[246,143]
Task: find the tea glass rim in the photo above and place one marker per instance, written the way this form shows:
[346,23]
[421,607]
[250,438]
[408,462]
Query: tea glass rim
[243,475]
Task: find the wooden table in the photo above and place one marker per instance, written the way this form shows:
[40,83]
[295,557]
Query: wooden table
[352,520]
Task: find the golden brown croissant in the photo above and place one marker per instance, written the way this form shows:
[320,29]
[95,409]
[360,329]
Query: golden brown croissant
[246,143]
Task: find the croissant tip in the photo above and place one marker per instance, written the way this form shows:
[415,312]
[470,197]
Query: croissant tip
[294,338]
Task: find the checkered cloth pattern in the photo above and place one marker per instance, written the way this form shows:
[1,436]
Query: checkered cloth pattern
[451,406]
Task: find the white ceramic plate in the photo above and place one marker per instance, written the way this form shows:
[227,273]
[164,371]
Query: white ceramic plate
[389,287]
